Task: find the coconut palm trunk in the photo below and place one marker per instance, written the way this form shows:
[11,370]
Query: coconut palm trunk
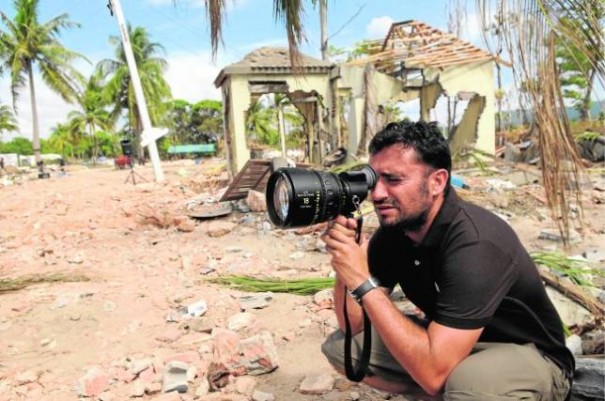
[35,121]
[26,42]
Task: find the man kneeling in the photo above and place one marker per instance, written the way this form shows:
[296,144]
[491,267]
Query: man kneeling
[488,330]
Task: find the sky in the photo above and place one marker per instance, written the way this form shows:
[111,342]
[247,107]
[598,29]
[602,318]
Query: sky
[183,31]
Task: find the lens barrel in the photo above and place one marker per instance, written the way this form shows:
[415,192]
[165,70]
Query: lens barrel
[298,197]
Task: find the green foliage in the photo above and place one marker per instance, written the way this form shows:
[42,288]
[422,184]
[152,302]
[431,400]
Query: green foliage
[201,122]
[117,83]
[576,269]
[587,136]
[576,69]
[361,49]
[19,283]
[261,124]
[107,143]
[262,121]
[19,145]
[7,119]
[91,116]
[307,286]
[26,42]
[61,141]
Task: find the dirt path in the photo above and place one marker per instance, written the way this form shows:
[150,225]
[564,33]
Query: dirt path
[92,224]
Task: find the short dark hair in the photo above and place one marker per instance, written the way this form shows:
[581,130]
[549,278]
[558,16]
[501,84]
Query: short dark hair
[430,145]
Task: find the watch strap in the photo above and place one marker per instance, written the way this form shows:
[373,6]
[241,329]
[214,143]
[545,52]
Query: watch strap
[367,286]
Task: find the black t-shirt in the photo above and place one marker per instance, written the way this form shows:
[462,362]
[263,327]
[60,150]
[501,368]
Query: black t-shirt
[471,271]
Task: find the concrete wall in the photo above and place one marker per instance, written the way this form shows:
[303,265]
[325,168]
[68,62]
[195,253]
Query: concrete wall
[477,78]
[385,89]
[478,120]
[240,102]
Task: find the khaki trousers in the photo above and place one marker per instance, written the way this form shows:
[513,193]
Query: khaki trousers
[492,372]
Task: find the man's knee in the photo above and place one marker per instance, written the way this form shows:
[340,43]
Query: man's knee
[499,372]
[333,349]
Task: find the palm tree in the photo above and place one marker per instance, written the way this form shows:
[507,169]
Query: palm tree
[92,114]
[27,43]
[261,124]
[118,83]
[290,11]
[7,119]
[529,37]
[62,140]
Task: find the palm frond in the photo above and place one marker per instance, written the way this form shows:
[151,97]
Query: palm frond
[291,11]
[530,29]
[215,10]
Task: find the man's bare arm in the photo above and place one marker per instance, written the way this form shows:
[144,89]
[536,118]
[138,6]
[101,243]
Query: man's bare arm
[428,355]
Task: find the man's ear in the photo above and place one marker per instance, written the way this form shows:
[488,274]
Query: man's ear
[439,180]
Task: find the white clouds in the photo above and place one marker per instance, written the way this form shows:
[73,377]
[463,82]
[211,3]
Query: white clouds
[51,109]
[473,31]
[379,27]
[191,77]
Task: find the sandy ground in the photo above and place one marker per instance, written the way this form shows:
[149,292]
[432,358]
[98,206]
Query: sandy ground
[143,260]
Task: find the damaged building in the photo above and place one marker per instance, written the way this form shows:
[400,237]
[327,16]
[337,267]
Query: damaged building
[343,104]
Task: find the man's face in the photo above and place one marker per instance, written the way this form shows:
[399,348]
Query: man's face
[401,196]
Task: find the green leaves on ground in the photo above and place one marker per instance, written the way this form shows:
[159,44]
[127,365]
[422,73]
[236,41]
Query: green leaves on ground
[578,270]
[19,283]
[307,286]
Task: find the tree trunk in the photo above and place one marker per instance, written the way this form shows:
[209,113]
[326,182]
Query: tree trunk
[35,128]
[323,20]
[585,112]
[91,132]
[281,126]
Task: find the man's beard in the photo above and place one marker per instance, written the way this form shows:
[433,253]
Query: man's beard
[408,223]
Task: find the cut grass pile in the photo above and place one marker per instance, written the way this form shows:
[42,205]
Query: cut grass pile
[577,270]
[19,283]
[307,286]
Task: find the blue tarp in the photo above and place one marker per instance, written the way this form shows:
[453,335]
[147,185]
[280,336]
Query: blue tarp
[203,148]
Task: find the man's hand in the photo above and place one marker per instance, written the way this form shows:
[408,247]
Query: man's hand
[349,259]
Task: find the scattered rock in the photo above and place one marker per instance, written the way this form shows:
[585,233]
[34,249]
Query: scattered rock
[174,377]
[255,301]
[93,383]
[317,384]
[589,379]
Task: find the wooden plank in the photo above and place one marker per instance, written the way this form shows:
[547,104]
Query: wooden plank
[249,178]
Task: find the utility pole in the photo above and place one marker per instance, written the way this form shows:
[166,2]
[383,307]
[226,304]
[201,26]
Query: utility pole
[150,134]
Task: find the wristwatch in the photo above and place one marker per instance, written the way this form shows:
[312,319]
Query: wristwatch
[364,288]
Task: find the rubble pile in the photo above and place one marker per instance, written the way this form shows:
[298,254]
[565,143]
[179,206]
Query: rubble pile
[150,324]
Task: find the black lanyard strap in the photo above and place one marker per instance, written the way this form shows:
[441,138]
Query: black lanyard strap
[357,373]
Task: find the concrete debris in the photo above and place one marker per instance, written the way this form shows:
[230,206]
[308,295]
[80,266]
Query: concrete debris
[552,234]
[196,309]
[145,256]
[174,377]
[589,379]
[256,201]
[262,396]
[255,301]
[317,383]
[219,228]
[93,383]
[240,321]
[254,355]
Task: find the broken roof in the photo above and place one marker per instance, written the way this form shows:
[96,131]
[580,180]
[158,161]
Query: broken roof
[273,60]
[416,45]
